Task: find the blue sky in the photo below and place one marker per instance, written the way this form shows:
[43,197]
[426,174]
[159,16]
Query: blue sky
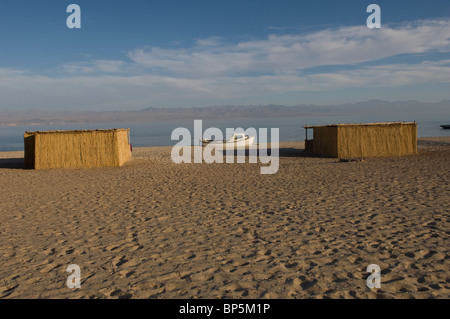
[136,54]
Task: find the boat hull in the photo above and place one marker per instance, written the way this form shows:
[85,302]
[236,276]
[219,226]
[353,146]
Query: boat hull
[229,144]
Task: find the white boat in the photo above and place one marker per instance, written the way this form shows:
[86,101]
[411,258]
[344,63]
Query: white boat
[237,140]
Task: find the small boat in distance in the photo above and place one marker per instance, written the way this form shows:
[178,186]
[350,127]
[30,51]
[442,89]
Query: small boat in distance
[446,127]
[237,140]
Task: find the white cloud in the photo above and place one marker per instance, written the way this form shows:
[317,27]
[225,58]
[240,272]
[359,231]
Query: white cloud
[216,71]
[103,66]
[280,54]
[21,90]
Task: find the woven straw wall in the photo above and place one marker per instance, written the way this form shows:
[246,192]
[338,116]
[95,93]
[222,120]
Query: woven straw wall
[61,149]
[365,140]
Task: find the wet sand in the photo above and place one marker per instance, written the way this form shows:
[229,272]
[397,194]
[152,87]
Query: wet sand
[155,229]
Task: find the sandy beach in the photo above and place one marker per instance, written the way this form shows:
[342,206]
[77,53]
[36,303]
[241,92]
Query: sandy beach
[155,229]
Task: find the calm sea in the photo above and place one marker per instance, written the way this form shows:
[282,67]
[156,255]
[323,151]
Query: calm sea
[290,128]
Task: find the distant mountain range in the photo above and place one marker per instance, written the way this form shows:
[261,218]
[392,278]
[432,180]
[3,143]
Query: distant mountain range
[152,114]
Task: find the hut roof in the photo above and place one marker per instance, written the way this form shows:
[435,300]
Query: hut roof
[78,131]
[361,124]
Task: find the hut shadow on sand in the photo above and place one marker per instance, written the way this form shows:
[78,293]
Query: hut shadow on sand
[282,152]
[12,163]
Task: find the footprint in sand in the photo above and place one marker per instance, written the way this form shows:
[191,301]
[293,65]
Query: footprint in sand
[126,273]
[49,267]
[116,293]
[112,247]
[50,251]
[132,237]
[7,290]
[119,261]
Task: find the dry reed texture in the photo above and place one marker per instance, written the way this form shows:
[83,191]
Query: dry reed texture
[365,140]
[325,141]
[63,149]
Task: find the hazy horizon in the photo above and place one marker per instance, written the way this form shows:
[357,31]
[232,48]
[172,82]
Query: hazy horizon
[399,109]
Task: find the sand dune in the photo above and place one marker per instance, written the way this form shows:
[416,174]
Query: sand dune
[155,229]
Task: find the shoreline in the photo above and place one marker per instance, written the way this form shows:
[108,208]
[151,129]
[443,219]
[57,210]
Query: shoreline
[421,141]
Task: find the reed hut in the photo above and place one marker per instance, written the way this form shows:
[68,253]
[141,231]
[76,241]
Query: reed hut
[79,148]
[363,140]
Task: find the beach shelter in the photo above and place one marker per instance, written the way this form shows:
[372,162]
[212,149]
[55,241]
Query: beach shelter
[363,140]
[77,148]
